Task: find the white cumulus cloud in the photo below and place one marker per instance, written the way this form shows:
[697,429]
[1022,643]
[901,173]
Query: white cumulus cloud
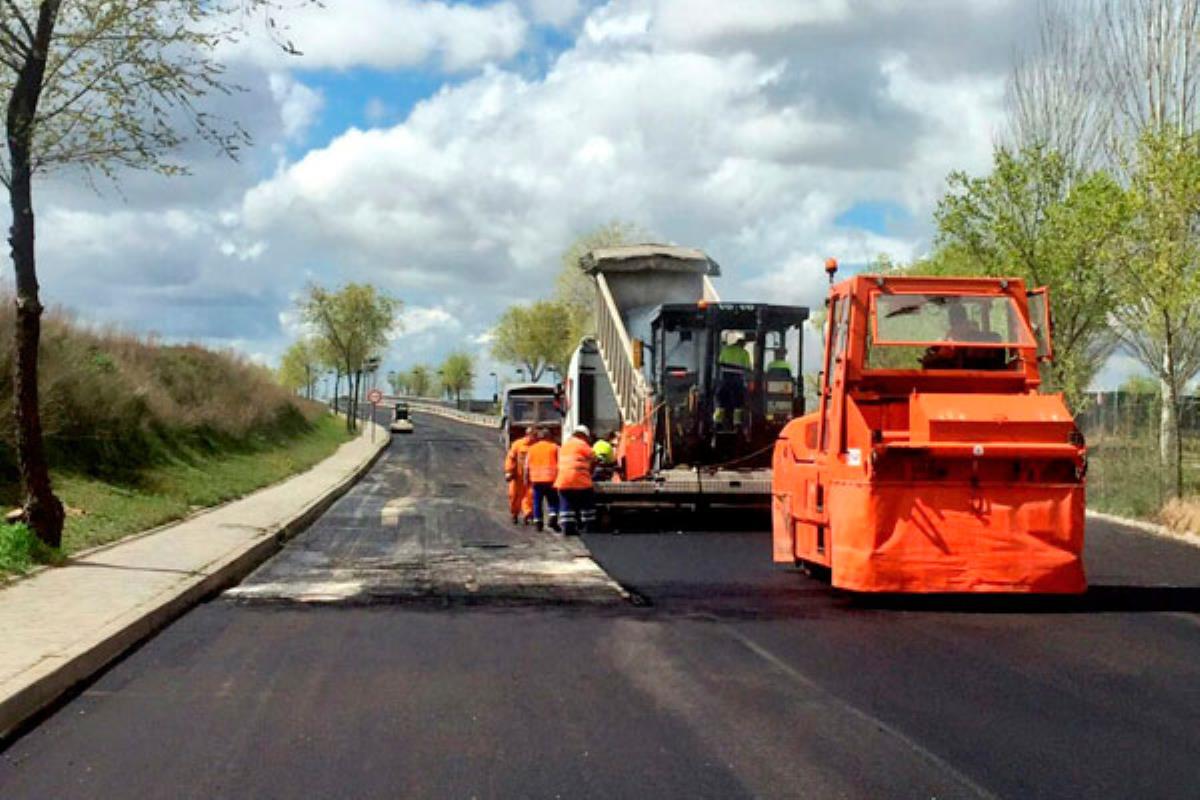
[388,34]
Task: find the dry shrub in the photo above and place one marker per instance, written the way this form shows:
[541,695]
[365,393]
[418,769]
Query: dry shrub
[1181,515]
[113,401]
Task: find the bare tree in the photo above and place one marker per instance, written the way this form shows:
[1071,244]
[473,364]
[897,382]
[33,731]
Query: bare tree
[1148,69]
[1054,95]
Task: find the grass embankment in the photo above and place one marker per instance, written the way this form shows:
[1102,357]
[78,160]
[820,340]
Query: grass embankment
[170,491]
[139,433]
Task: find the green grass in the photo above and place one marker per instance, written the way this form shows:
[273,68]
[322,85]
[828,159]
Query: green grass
[104,510]
[20,550]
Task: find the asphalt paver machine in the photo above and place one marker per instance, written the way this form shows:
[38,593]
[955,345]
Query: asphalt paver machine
[933,463]
[693,390]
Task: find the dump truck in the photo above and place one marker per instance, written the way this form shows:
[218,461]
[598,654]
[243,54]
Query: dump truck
[932,463]
[693,390]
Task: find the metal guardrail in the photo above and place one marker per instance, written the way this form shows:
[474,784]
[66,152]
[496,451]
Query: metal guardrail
[482,420]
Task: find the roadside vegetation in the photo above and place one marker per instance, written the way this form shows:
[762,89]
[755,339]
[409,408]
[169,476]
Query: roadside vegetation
[139,433]
[348,331]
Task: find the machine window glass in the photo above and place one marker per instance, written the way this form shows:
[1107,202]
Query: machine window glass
[925,319]
[546,412]
[841,333]
[523,411]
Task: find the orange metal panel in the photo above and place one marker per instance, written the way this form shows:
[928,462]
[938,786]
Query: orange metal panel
[935,537]
[989,417]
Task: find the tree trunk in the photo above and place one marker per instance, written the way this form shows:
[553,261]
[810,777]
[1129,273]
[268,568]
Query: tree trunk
[358,377]
[43,511]
[1170,453]
[337,385]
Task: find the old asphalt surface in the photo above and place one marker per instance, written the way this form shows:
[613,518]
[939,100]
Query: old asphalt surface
[730,678]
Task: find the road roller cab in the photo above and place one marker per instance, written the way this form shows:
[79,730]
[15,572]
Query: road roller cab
[932,463]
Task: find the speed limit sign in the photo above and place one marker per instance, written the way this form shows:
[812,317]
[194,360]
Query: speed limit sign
[374,396]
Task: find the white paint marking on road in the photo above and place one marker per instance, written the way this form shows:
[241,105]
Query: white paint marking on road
[304,592]
[917,748]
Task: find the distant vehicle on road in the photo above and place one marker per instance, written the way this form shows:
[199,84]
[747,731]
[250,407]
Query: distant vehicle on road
[401,423]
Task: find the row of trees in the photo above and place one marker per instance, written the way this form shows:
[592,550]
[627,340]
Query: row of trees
[348,332]
[540,336]
[1095,192]
[455,376]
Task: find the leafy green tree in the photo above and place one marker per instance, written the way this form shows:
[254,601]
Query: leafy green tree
[420,381]
[458,375]
[574,289]
[535,337]
[1158,291]
[300,366]
[353,323]
[98,85]
[1141,385]
[1033,218]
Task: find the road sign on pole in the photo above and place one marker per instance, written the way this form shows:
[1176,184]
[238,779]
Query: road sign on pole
[373,397]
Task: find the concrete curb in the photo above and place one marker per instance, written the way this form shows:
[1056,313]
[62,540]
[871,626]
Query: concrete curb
[117,638]
[1152,528]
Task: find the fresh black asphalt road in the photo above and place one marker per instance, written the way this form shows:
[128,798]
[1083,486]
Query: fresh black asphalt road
[729,678]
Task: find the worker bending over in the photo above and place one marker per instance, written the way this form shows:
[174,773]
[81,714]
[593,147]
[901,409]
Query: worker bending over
[541,469]
[520,498]
[606,460]
[576,504]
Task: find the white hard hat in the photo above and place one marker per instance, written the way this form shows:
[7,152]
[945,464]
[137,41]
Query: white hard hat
[582,429]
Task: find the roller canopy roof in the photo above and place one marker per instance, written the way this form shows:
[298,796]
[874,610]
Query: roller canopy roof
[649,257]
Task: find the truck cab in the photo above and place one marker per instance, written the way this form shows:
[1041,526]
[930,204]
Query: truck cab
[725,377]
[932,462]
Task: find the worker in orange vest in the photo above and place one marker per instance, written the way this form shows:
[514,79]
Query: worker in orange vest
[576,503]
[541,469]
[520,498]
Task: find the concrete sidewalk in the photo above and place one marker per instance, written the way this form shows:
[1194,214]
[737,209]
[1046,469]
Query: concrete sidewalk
[62,625]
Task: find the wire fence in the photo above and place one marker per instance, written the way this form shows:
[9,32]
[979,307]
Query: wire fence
[1125,472]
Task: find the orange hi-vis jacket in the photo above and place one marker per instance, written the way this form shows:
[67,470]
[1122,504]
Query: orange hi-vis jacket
[514,462]
[541,465]
[575,460]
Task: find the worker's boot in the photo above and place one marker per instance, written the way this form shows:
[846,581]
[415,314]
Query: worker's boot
[554,523]
[516,520]
[539,525]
